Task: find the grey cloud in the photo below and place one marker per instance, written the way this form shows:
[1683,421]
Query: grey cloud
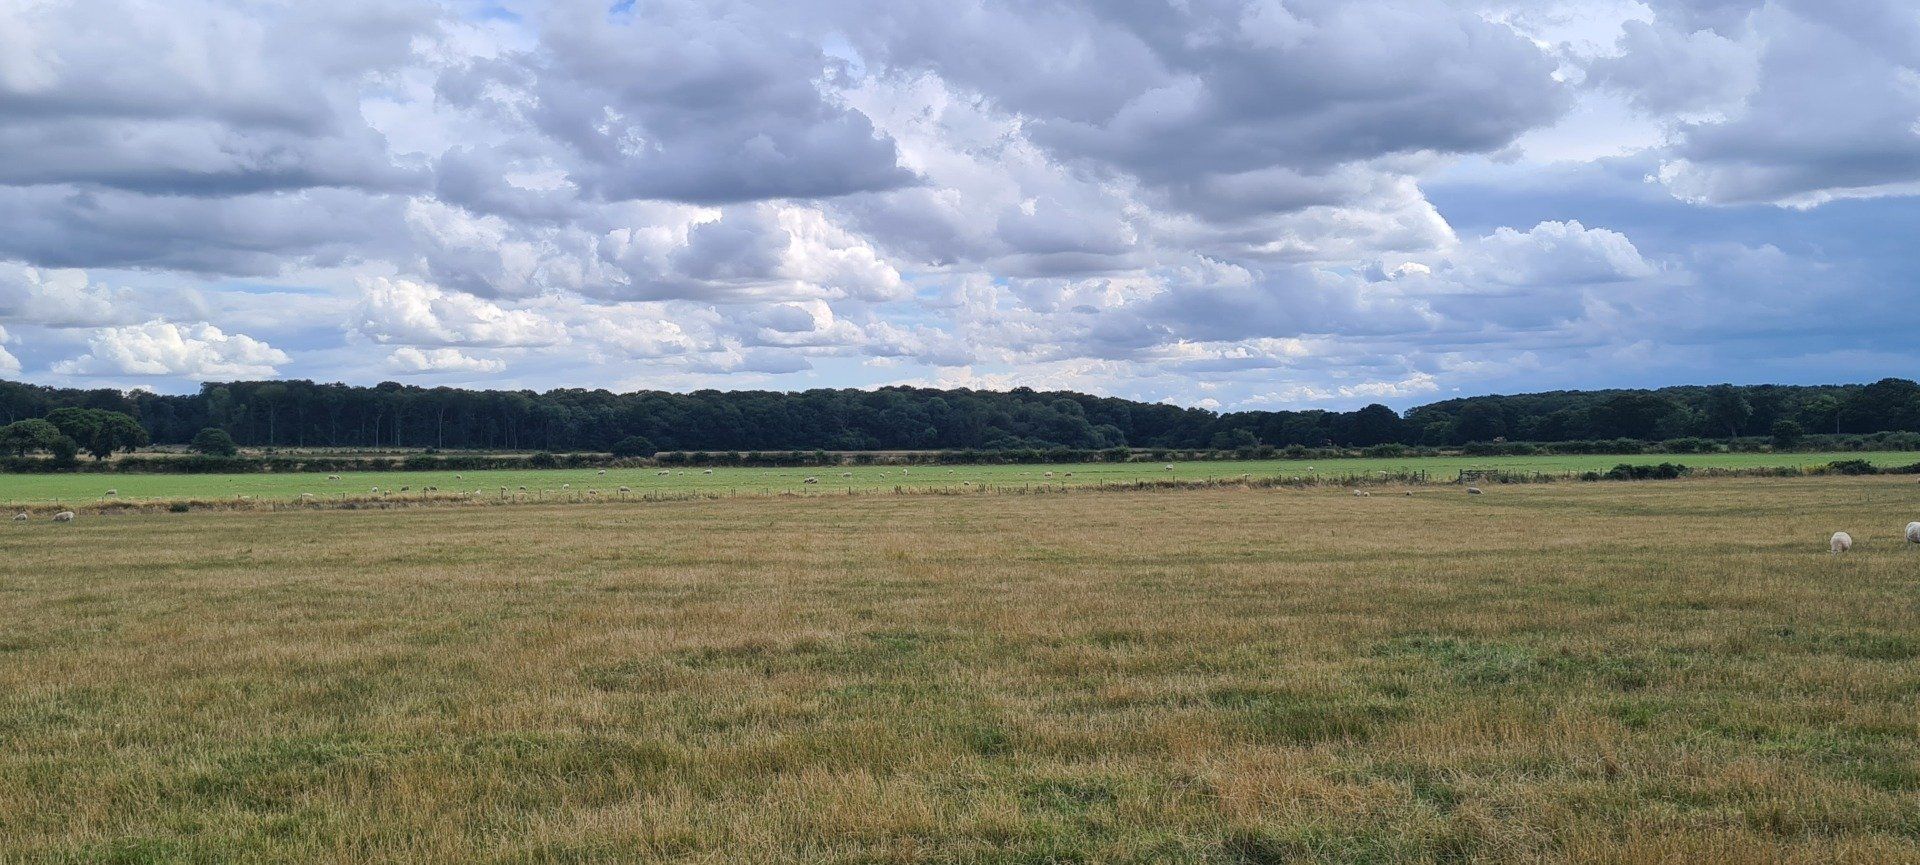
[696,102]
[261,234]
[1831,118]
[1663,70]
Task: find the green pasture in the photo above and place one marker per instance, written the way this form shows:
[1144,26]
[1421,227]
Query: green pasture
[80,488]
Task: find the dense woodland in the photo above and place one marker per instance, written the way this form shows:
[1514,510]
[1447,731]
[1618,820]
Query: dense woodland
[306,414]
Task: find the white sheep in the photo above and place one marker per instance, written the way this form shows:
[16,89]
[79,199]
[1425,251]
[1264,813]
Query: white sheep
[63,517]
[846,474]
[304,496]
[566,486]
[20,517]
[1169,467]
[1840,542]
[1361,493]
[707,472]
[603,471]
[811,481]
[1473,491]
[1913,533]
[1049,474]
[663,473]
[333,477]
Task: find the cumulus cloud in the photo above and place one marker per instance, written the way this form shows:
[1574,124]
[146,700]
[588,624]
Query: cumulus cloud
[58,297]
[160,348]
[9,365]
[413,361]
[402,311]
[1235,197]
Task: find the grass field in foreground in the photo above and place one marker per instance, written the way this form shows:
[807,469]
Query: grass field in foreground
[1625,673]
[78,489]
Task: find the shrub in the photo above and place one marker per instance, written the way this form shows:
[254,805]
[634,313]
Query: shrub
[213,442]
[1852,467]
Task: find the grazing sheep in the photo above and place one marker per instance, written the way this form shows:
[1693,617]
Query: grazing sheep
[333,477]
[1361,493]
[1049,474]
[63,517]
[566,486]
[1913,533]
[1169,467]
[406,488]
[305,496]
[1473,491]
[707,472]
[663,473]
[626,489]
[603,471]
[846,474]
[1840,542]
[113,492]
[811,481]
[375,489]
[1409,492]
[456,477]
[523,488]
[20,517]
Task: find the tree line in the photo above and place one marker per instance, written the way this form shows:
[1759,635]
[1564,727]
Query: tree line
[305,414]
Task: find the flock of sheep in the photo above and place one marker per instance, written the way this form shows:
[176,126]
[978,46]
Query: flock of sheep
[1842,542]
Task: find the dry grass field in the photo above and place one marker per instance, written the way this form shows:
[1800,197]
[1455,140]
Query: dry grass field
[1661,672]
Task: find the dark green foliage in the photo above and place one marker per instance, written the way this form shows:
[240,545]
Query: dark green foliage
[214,442]
[304,414]
[99,432]
[28,436]
[634,446]
[1852,467]
[1787,434]
[1663,471]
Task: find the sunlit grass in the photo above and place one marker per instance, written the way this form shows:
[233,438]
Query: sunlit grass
[1637,673]
[42,490]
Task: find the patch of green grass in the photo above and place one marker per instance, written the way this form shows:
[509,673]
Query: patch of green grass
[557,485]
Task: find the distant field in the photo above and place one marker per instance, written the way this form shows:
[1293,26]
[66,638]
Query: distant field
[46,489]
[1641,674]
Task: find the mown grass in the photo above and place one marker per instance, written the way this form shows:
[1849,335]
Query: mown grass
[1630,673]
[70,489]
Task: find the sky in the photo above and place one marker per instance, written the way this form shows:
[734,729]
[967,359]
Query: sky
[1231,204]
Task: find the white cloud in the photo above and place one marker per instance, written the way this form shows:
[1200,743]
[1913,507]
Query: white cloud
[414,361]
[159,348]
[9,365]
[1140,198]
[58,297]
[403,311]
